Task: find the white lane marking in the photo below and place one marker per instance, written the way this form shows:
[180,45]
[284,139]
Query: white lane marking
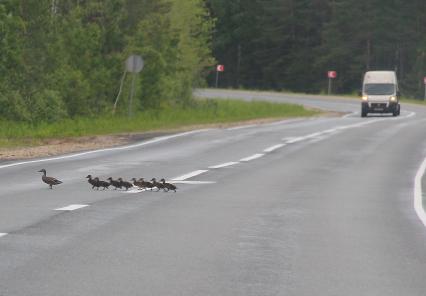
[418,194]
[3,234]
[71,207]
[293,140]
[255,156]
[155,140]
[314,135]
[193,182]
[134,190]
[174,182]
[350,114]
[189,175]
[241,127]
[411,114]
[273,148]
[223,165]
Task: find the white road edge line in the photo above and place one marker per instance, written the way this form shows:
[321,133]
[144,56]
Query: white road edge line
[155,140]
[255,156]
[223,165]
[189,175]
[241,127]
[273,148]
[71,207]
[418,194]
[3,234]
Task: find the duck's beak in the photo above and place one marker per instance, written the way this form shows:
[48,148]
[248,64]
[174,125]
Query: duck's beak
[40,171]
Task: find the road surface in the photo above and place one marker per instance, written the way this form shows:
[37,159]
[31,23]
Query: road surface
[310,206]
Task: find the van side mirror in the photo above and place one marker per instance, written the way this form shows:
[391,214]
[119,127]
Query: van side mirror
[398,93]
[359,93]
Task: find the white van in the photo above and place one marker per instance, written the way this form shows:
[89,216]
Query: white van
[380,93]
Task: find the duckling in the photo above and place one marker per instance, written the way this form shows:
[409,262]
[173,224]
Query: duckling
[91,181]
[115,183]
[157,184]
[138,183]
[104,184]
[49,180]
[146,184]
[125,184]
[169,186]
[96,183]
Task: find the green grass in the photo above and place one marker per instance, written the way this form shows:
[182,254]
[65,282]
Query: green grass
[202,112]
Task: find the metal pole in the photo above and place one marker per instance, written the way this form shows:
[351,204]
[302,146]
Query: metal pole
[119,92]
[329,86]
[132,93]
[425,93]
[217,78]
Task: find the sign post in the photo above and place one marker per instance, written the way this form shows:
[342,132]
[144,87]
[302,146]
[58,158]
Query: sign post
[219,68]
[134,64]
[331,75]
[424,82]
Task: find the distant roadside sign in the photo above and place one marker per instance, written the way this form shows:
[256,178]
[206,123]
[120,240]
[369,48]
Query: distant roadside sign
[424,80]
[220,68]
[134,64]
[332,74]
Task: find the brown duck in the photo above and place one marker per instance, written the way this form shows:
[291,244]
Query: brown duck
[138,183]
[49,180]
[92,181]
[158,184]
[125,184]
[100,183]
[146,184]
[115,183]
[168,186]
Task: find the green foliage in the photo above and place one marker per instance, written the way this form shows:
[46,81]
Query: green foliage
[64,58]
[289,44]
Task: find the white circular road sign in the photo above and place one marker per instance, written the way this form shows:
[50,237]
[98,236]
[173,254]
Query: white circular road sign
[134,64]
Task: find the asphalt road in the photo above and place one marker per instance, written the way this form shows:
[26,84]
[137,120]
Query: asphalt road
[319,206]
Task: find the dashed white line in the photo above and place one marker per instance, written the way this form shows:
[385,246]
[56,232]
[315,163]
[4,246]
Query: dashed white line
[273,148]
[255,156]
[71,207]
[3,234]
[194,182]
[418,194]
[189,175]
[294,140]
[314,135]
[223,165]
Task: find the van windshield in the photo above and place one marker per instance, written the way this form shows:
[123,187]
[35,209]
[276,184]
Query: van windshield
[379,89]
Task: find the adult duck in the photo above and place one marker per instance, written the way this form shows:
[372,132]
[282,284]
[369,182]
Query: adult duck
[49,180]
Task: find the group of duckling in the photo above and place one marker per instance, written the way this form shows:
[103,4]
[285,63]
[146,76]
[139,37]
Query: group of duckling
[119,183]
[138,183]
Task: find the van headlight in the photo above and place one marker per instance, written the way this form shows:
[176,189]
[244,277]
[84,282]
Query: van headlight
[365,98]
[393,99]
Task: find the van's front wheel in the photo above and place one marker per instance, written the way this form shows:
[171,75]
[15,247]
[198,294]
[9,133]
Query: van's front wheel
[364,111]
[397,110]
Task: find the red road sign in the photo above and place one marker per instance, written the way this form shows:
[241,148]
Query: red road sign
[332,74]
[220,68]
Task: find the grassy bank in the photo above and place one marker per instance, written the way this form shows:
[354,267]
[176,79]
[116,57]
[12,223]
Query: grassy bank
[202,112]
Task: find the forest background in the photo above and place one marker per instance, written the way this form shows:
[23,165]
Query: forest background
[64,58]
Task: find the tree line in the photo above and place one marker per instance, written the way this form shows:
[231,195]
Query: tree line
[291,44]
[65,58]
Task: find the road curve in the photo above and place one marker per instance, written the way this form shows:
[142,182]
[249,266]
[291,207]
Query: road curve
[318,206]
